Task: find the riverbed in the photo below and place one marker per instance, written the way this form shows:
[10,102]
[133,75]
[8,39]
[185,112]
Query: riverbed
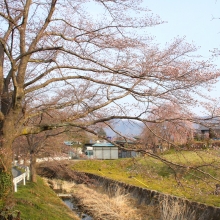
[70,203]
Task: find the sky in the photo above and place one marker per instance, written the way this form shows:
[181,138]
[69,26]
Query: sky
[196,20]
[193,19]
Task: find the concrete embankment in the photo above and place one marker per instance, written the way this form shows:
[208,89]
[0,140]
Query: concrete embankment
[186,208]
[151,197]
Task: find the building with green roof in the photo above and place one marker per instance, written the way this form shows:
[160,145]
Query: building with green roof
[103,150]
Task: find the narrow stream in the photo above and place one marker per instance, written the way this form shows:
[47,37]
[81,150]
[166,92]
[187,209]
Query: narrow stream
[74,208]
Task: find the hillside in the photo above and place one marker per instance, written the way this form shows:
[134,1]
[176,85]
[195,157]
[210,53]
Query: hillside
[125,127]
[36,201]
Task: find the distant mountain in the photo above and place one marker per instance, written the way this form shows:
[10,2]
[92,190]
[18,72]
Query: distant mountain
[125,127]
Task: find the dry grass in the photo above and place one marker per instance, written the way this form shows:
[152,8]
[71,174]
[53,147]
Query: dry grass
[175,210]
[101,206]
[67,186]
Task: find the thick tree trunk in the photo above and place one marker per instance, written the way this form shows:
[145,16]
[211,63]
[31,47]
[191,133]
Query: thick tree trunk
[6,159]
[33,167]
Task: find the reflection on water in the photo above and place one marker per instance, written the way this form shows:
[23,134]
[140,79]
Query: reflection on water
[73,207]
[69,203]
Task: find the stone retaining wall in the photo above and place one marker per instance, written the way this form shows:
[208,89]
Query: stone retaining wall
[152,197]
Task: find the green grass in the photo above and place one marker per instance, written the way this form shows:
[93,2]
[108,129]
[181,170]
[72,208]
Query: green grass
[36,201]
[153,174]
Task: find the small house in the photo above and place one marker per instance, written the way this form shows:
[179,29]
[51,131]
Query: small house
[125,153]
[211,129]
[105,151]
[74,149]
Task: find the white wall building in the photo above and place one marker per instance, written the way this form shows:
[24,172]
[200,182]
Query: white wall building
[102,151]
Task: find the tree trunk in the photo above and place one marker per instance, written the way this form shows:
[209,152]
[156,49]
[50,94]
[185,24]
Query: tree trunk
[6,159]
[33,167]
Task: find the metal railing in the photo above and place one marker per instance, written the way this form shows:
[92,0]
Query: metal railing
[21,177]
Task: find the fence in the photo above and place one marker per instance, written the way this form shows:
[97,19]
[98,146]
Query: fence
[21,177]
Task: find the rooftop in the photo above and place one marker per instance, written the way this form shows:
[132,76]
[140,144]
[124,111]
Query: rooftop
[103,145]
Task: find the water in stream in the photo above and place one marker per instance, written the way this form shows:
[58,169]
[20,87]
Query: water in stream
[70,204]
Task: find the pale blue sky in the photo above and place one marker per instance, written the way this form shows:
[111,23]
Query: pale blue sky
[194,19]
[190,18]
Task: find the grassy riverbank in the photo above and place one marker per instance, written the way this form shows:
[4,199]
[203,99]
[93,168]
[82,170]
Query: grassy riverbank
[193,183]
[36,201]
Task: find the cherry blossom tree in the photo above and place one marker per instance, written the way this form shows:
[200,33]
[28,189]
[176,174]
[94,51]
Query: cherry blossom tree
[171,127]
[83,63]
